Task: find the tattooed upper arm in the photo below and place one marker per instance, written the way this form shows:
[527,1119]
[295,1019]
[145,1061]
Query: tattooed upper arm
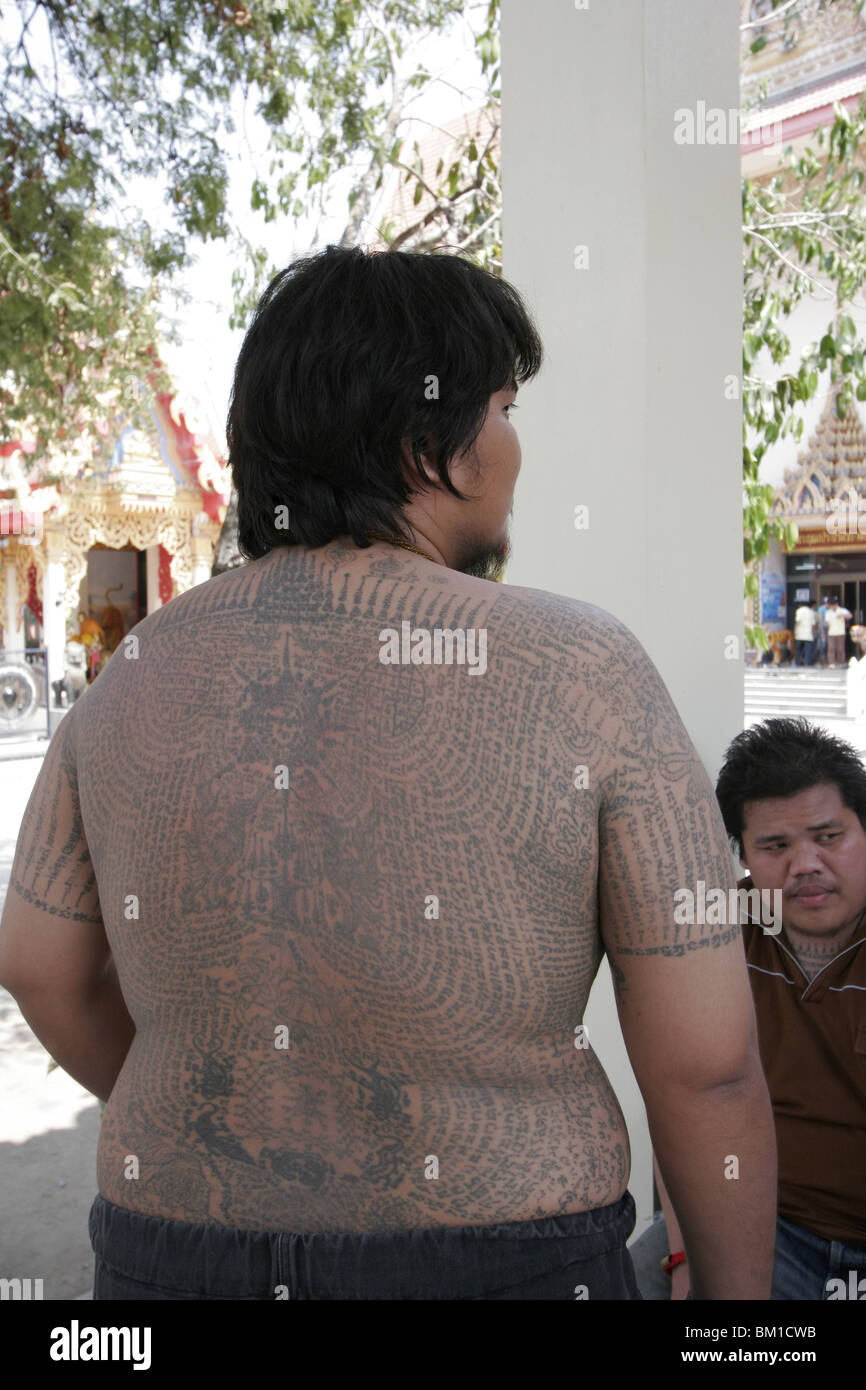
[51,931]
[681,985]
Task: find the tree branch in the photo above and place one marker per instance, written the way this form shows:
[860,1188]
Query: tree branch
[797,269]
[363,200]
[768,18]
[477,232]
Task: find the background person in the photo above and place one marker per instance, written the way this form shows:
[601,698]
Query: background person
[793,800]
[837,618]
[821,637]
[805,627]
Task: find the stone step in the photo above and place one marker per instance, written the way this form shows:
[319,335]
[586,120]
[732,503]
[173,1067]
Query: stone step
[835,691]
[826,692]
[812,692]
[838,710]
[766,709]
[794,692]
[796,673]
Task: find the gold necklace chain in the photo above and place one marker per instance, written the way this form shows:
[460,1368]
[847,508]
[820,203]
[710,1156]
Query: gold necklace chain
[389,540]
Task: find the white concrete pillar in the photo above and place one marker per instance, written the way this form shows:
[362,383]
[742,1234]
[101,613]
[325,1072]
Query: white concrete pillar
[54,605]
[14,628]
[627,245]
[202,559]
[153,599]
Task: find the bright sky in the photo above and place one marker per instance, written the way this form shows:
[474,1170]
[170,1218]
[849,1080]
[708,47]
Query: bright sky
[204,364]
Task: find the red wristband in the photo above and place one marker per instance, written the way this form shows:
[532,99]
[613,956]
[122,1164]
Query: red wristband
[670,1262]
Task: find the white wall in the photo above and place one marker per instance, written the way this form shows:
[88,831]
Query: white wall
[630,415]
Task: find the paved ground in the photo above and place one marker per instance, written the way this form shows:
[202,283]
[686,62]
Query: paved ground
[49,1125]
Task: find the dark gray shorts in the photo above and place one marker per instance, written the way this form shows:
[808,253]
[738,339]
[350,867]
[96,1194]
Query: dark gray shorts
[558,1257]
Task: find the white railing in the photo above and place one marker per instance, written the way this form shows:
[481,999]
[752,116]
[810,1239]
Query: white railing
[856,688]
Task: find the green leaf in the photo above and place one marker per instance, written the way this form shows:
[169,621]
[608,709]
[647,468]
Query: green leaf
[756,637]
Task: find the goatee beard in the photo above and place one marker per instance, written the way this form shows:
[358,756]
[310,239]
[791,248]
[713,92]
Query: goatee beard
[488,564]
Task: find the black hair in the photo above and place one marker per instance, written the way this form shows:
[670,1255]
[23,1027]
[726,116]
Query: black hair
[781,757]
[350,356]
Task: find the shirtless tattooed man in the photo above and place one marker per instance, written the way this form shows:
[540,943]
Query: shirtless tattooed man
[314,898]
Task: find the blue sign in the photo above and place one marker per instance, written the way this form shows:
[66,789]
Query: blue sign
[773,597]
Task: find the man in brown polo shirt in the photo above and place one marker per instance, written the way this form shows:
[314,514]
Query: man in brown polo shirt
[793,799]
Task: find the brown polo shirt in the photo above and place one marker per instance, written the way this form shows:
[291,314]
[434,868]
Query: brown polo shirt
[812,1037]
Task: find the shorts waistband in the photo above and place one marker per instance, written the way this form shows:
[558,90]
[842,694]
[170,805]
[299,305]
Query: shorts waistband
[219,1261]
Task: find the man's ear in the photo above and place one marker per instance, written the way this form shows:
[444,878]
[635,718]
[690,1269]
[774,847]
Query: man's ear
[411,470]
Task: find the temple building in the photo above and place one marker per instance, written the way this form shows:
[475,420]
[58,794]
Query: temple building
[825,494]
[812,61]
[87,555]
